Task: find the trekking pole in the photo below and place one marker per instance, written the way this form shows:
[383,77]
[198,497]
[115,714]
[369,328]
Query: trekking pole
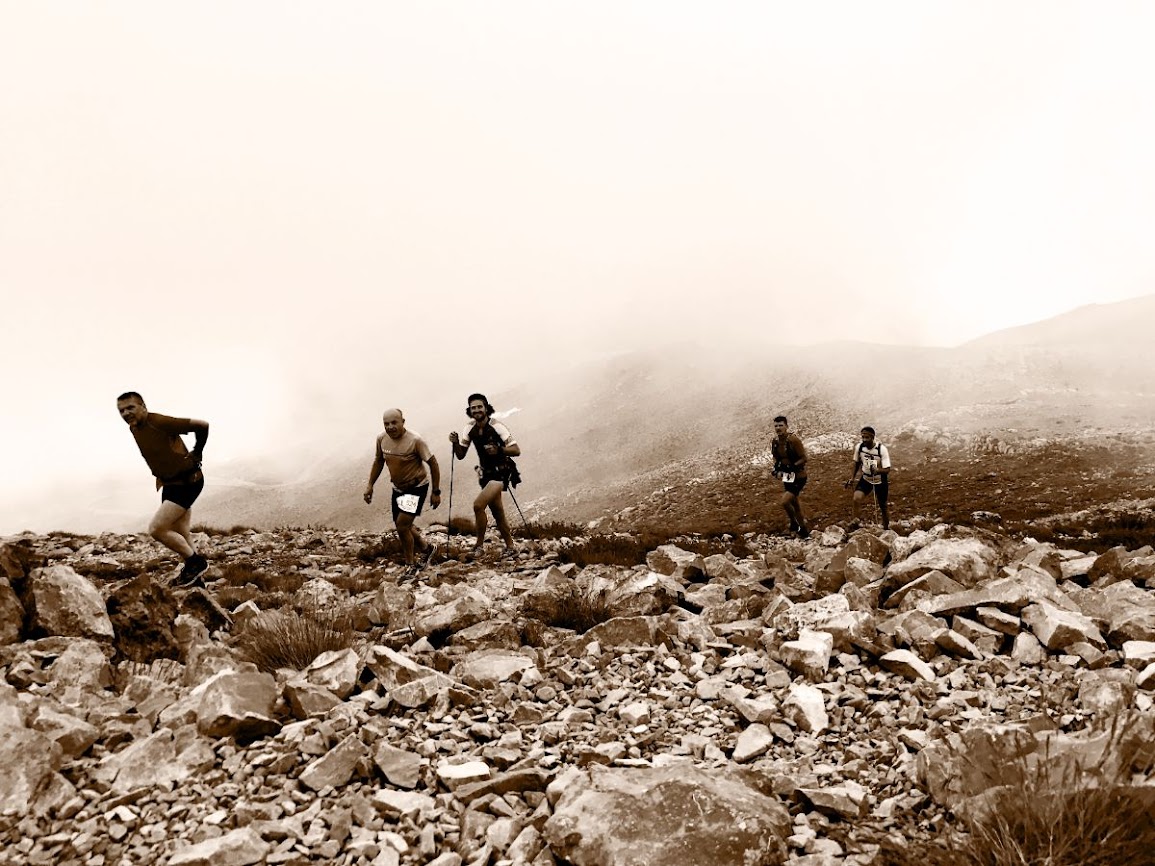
[524,525]
[449,520]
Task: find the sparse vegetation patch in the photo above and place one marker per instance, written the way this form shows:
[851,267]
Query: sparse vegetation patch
[579,611]
[288,638]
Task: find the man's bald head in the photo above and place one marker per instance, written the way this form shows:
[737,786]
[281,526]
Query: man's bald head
[394,423]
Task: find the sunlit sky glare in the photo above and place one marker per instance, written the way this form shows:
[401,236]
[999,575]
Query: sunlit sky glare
[248,210]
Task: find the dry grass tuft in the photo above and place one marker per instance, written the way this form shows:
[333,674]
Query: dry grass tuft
[1055,814]
[388,547]
[579,612]
[624,550]
[550,529]
[288,638]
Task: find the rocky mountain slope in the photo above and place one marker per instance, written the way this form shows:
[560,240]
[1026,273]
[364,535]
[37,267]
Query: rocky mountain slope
[606,436]
[775,701]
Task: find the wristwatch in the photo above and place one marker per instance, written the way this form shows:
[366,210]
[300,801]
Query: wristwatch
[436,492]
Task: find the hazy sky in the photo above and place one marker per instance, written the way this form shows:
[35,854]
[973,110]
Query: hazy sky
[254,212]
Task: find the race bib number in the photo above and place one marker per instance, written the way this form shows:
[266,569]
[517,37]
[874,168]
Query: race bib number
[408,503]
[787,477]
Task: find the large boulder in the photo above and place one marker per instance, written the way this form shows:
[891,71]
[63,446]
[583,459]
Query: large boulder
[241,847]
[1007,593]
[407,682]
[960,771]
[968,561]
[30,761]
[61,602]
[682,565]
[142,613]
[1122,610]
[74,735]
[669,816]
[452,616]
[165,757]
[335,670]
[238,704]
[319,594]
[81,664]
[1057,629]
[392,606]
[792,621]
[335,768]
[484,669]
[11,614]
[549,590]
[645,594]
[862,545]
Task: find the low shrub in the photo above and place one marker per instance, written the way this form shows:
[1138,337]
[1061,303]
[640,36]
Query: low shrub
[240,573]
[355,582]
[463,526]
[625,550]
[214,531]
[1111,826]
[288,638]
[388,547]
[229,597]
[1053,813]
[1096,532]
[96,570]
[630,550]
[579,611]
[550,529]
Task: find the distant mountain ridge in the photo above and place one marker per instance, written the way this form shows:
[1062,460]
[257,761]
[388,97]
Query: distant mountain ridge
[610,433]
[1121,324]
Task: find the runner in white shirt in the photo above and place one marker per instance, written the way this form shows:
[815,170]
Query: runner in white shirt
[871,472]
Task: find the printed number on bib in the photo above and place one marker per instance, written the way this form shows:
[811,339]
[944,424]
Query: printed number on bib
[408,503]
[787,477]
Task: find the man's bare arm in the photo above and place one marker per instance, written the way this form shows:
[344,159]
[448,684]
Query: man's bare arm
[374,474]
[200,431]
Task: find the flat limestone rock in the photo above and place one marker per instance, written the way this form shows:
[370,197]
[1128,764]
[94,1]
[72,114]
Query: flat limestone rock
[67,604]
[909,665]
[669,816]
[30,760]
[335,768]
[966,560]
[242,847]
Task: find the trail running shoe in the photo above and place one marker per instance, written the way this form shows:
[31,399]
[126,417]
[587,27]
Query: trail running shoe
[190,575]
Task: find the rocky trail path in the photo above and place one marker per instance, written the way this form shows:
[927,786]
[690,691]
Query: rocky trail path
[802,703]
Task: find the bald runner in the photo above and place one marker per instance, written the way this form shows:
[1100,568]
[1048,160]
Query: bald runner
[406,455]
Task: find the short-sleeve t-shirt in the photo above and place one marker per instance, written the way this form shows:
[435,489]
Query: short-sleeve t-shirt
[873,459]
[789,452]
[502,433]
[158,438]
[406,457]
